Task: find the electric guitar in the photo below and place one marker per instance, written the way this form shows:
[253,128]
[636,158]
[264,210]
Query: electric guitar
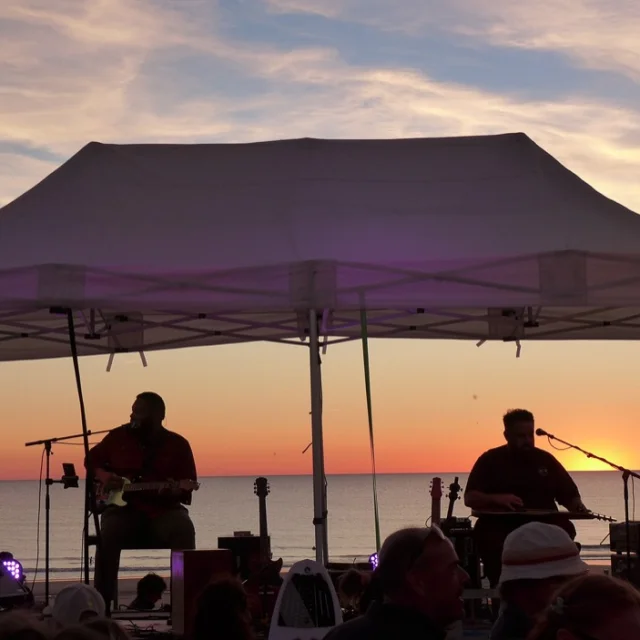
[118,497]
[435,491]
[262,585]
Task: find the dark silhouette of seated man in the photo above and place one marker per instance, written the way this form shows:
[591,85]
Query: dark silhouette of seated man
[144,451]
[514,478]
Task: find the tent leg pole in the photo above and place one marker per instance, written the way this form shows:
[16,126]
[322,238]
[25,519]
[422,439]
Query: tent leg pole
[319,489]
[90,496]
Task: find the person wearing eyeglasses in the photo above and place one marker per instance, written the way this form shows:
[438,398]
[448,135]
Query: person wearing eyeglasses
[419,584]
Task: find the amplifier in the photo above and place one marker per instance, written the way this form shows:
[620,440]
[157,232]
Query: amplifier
[457,527]
[460,532]
[618,537]
[191,572]
[245,550]
[619,568]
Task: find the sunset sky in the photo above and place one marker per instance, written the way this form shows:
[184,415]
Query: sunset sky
[566,72]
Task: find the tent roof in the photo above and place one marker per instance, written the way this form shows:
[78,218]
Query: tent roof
[222,242]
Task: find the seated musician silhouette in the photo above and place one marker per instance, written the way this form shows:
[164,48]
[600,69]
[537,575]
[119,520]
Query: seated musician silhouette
[143,450]
[515,479]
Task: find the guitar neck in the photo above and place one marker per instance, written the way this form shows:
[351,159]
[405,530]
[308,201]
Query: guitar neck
[435,511]
[265,550]
[145,486]
[450,510]
[454,492]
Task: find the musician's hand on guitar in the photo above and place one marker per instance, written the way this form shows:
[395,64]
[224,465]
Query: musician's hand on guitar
[112,482]
[508,501]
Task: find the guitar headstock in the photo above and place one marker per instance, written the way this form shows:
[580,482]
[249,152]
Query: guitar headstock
[435,488]
[261,487]
[454,491]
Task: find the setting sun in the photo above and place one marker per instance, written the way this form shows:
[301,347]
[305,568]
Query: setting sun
[577,461]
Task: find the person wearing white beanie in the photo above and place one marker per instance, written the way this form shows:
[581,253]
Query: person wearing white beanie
[537,558]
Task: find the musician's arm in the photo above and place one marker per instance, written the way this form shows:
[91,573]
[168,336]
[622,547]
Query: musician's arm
[479,501]
[481,493]
[98,460]
[188,471]
[567,492]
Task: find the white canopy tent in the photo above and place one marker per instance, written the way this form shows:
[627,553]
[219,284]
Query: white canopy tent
[166,246]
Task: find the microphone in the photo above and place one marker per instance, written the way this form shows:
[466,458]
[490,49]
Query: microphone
[132,424]
[542,432]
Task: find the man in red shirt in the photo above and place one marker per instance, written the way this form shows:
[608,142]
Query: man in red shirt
[142,451]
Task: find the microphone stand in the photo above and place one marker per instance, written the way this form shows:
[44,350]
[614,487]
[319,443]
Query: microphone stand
[626,474]
[47,443]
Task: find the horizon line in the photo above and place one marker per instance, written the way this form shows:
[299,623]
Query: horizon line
[310,475]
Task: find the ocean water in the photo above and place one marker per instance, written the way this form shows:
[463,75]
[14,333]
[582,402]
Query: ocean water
[225,505]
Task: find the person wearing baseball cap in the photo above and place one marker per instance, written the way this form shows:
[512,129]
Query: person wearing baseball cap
[537,559]
[419,584]
[75,604]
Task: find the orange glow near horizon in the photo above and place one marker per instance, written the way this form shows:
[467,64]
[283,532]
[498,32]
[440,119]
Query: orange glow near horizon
[245,408]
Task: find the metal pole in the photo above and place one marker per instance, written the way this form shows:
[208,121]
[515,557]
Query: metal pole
[47,523]
[90,497]
[319,499]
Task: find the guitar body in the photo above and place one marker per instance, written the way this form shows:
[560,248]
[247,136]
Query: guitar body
[262,590]
[307,607]
[116,497]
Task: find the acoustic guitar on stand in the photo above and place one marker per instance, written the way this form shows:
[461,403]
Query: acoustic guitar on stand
[435,490]
[262,585]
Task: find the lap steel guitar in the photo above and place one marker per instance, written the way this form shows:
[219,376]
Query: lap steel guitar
[543,514]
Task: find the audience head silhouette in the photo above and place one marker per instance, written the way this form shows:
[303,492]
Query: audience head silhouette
[418,568]
[222,612]
[594,607]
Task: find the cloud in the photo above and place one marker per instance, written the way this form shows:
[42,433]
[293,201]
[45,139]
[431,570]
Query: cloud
[598,34]
[97,82]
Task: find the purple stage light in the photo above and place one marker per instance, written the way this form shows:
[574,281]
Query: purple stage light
[373,560]
[14,568]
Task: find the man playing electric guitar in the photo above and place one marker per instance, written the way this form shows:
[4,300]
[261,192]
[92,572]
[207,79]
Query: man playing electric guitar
[143,450]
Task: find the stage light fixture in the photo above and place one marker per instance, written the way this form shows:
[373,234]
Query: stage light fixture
[373,561]
[13,591]
[14,569]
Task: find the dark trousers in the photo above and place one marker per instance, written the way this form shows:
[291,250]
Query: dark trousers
[128,528]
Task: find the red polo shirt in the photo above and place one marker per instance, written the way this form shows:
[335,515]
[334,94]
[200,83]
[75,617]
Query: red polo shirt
[168,456]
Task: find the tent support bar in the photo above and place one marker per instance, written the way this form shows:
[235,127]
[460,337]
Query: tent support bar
[319,480]
[89,492]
